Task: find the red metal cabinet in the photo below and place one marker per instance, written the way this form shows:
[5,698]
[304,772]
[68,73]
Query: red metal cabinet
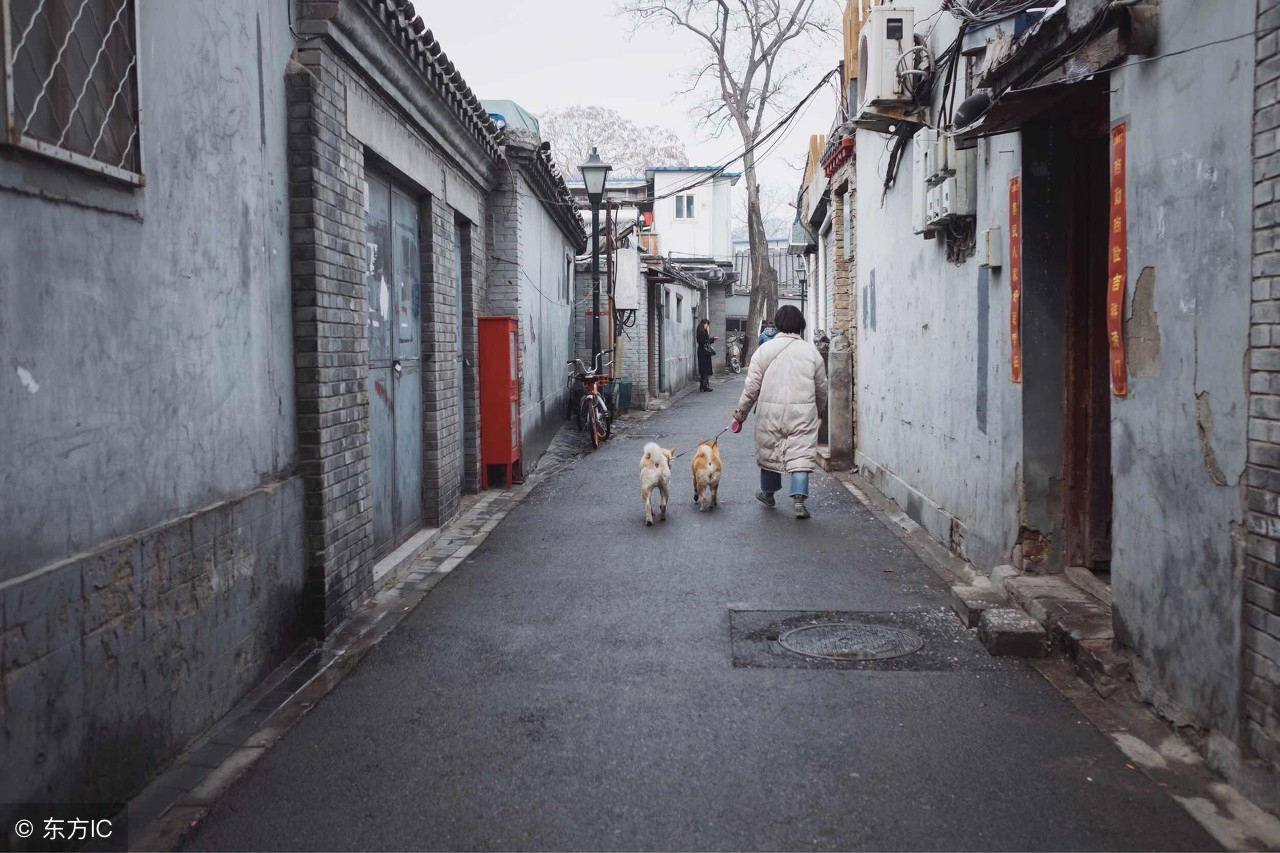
[500,398]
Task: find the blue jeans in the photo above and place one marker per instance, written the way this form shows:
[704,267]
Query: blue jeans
[771,481]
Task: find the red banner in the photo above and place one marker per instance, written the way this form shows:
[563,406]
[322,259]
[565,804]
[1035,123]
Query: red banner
[1015,278]
[1117,269]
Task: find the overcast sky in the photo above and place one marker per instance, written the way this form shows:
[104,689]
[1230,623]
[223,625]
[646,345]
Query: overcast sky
[561,53]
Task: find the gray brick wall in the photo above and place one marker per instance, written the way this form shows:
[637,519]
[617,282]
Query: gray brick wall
[635,355]
[1261,629]
[115,660]
[326,200]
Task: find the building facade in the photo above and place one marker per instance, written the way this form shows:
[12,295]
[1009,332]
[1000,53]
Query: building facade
[152,527]
[532,254]
[655,282]
[1052,305]
[249,386]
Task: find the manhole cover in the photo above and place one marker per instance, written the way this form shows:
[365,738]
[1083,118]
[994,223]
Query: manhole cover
[851,641]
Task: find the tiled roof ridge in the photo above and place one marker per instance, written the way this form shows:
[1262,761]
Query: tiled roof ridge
[551,186]
[402,22]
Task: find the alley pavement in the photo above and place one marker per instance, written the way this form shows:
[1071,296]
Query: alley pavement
[584,682]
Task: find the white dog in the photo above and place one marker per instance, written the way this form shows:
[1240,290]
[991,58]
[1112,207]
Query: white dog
[655,471]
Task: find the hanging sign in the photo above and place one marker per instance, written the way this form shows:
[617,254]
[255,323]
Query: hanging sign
[1117,264]
[1015,278]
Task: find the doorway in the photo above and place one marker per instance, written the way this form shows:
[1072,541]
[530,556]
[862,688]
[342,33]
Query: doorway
[1087,487]
[393,283]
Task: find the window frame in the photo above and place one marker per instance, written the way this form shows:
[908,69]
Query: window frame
[688,206]
[10,136]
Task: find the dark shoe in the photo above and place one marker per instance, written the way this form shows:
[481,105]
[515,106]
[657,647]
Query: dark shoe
[802,512]
[765,498]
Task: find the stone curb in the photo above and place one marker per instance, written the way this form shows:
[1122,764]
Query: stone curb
[173,804]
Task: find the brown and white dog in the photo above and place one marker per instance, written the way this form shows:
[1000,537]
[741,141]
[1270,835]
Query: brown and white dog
[655,473]
[706,474]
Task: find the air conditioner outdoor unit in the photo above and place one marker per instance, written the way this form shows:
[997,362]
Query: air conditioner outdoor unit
[886,36]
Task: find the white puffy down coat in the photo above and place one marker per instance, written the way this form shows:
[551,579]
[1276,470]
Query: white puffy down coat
[787,386]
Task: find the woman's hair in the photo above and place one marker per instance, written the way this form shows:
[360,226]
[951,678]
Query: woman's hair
[705,321]
[789,320]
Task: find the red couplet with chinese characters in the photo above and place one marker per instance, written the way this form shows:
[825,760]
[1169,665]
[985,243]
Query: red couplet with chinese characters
[1116,264]
[1015,278]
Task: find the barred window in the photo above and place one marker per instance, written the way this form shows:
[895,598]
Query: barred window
[71,69]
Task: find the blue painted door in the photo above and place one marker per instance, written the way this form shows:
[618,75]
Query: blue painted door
[394,328]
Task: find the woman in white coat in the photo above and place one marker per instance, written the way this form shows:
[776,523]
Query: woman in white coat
[787,385]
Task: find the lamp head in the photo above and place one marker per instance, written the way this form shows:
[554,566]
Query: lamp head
[594,174]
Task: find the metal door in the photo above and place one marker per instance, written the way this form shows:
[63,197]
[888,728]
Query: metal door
[461,356]
[395,376]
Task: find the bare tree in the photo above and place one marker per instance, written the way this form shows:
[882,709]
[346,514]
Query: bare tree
[574,131]
[777,211]
[746,50]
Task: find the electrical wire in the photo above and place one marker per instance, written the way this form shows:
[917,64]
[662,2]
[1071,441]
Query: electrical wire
[721,166]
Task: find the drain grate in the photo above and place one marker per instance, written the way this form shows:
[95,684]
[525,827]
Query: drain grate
[851,641]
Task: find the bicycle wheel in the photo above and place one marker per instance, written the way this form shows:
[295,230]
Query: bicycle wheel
[583,418]
[606,417]
[597,429]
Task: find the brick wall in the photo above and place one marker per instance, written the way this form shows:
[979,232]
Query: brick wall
[442,423]
[1261,699]
[115,660]
[326,201]
[842,301]
[327,180]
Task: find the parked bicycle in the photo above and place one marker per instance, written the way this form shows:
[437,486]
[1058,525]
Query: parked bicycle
[593,410]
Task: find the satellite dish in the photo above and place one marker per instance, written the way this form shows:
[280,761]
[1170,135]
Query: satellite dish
[498,119]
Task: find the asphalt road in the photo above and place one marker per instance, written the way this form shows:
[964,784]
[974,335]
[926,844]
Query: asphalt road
[573,686]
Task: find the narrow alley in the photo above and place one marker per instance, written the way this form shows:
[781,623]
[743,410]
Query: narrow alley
[581,681]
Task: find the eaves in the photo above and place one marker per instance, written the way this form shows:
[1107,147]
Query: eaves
[402,61]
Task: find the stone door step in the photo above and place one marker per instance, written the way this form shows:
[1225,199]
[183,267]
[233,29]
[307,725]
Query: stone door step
[1008,632]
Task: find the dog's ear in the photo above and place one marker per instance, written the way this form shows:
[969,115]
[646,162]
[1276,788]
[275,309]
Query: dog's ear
[671,453]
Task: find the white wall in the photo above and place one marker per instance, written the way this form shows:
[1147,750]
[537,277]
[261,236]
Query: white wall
[678,343]
[921,364]
[546,332]
[709,233]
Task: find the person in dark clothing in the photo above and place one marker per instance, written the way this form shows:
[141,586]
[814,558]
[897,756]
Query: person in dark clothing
[705,352]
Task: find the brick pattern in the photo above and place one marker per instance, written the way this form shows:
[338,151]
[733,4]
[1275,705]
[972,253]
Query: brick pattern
[442,422]
[331,349]
[116,660]
[1261,629]
[475,304]
[635,355]
[845,295]
[829,281]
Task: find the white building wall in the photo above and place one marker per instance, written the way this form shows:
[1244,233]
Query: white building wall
[709,233]
[679,364]
[546,324]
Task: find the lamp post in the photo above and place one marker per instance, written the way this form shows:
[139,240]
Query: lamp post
[594,173]
[801,275]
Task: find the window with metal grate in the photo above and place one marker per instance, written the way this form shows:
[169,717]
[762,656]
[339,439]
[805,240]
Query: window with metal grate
[71,82]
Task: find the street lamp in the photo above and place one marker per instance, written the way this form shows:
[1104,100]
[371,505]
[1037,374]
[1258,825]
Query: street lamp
[594,173]
[801,275]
